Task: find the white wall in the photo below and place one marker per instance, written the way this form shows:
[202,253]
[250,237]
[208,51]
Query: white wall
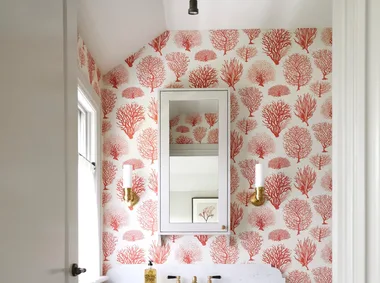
[37,72]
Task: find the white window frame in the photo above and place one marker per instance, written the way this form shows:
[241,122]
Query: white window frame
[91,103]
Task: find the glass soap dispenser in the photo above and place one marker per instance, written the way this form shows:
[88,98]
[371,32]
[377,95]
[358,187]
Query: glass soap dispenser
[150,274]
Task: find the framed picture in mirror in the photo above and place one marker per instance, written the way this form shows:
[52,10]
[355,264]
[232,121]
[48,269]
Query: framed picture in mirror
[205,210]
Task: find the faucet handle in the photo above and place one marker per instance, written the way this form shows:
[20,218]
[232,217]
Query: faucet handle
[175,277]
[214,277]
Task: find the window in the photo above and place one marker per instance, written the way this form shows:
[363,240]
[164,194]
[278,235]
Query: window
[89,225]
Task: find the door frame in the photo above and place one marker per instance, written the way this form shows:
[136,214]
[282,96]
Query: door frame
[356,143]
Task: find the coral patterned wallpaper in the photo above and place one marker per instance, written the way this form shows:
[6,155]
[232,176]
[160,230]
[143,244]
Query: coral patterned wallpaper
[280,82]
[87,65]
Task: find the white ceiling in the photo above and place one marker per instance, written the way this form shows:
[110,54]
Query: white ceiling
[115,28]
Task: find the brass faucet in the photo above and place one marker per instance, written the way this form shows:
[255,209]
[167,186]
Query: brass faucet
[175,277]
[194,279]
[213,277]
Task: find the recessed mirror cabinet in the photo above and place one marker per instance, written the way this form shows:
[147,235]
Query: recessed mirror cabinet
[194,161]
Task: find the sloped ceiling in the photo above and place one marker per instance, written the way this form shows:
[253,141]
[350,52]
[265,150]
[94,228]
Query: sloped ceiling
[113,29]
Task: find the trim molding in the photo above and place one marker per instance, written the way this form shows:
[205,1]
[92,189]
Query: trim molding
[349,142]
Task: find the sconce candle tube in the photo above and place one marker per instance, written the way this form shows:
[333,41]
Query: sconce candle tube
[127,176]
[259,178]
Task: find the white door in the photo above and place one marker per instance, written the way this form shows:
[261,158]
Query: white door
[38,140]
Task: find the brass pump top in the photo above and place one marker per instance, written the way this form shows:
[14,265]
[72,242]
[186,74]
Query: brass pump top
[194,279]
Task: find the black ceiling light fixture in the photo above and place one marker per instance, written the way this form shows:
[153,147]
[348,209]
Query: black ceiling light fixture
[193,9]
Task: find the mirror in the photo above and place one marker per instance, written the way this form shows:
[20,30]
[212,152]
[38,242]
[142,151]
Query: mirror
[194,160]
[193,171]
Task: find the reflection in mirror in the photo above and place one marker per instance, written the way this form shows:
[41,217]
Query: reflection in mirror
[194,172]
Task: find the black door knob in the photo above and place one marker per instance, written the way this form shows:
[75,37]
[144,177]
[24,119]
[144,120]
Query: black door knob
[75,270]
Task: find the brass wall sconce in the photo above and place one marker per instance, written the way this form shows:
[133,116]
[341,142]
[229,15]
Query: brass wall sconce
[258,197]
[131,198]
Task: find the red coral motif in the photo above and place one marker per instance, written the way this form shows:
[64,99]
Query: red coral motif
[182,129]
[115,218]
[261,217]
[205,55]
[244,197]
[323,205]
[320,160]
[277,187]
[159,253]
[213,136]
[235,180]
[193,119]
[297,215]
[224,40]
[132,92]
[106,197]
[278,257]
[298,277]
[151,72]
[261,73]
[322,275]
[174,122]
[129,118]
[261,145]
[326,181]
[236,144]
[279,90]
[323,133]
[305,37]
[297,143]
[298,70]
[211,119]
[326,109]
[153,181]
[115,146]
[188,39]
[132,58]
[199,133]
[305,107]
[222,252]
[327,253]
[207,213]
[246,52]
[131,255]
[279,163]
[319,233]
[178,63]
[188,254]
[231,72]
[203,77]
[251,241]
[251,98]
[305,252]
[147,215]
[276,116]
[203,239]
[133,235]
[147,144]
[246,125]
[109,244]
[136,163]
[174,85]
[108,98]
[91,65]
[305,180]
[234,107]
[320,88]
[116,77]
[247,169]
[153,109]
[276,44]
[108,174]
[236,216]
[279,235]
[184,140]
[327,37]
[106,126]
[252,34]
[106,268]
[323,61]
[174,238]
[160,42]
